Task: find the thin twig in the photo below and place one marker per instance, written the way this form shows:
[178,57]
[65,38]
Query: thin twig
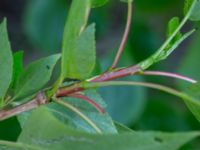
[88,100]
[168,74]
[39,100]
[125,36]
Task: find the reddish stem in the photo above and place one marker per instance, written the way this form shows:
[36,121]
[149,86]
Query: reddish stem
[167,74]
[125,36]
[90,101]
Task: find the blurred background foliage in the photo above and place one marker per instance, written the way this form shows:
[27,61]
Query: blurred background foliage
[36,27]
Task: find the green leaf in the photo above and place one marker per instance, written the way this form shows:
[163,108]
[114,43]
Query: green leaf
[187,5]
[82,60]
[6,61]
[35,76]
[10,129]
[172,26]
[78,43]
[195,15]
[51,134]
[193,99]
[103,121]
[98,3]
[17,67]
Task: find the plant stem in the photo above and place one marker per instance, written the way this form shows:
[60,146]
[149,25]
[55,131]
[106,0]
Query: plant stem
[125,36]
[148,62]
[178,28]
[167,74]
[78,112]
[128,83]
[88,100]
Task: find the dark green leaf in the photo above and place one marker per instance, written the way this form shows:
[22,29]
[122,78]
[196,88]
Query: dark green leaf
[10,129]
[6,61]
[35,76]
[73,38]
[98,3]
[17,67]
[51,134]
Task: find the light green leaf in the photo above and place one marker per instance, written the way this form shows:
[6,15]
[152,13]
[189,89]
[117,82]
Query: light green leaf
[82,60]
[51,134]
[195,15]
[17,67]
[6,61]
[172,26]
[73,39]
[35,76]
[98,3]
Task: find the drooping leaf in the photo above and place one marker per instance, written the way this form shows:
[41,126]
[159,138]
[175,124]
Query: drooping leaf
[73,38]
[17,67]
[6,61]
[98,3]
[35,76]
[51,134]
[195,15]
